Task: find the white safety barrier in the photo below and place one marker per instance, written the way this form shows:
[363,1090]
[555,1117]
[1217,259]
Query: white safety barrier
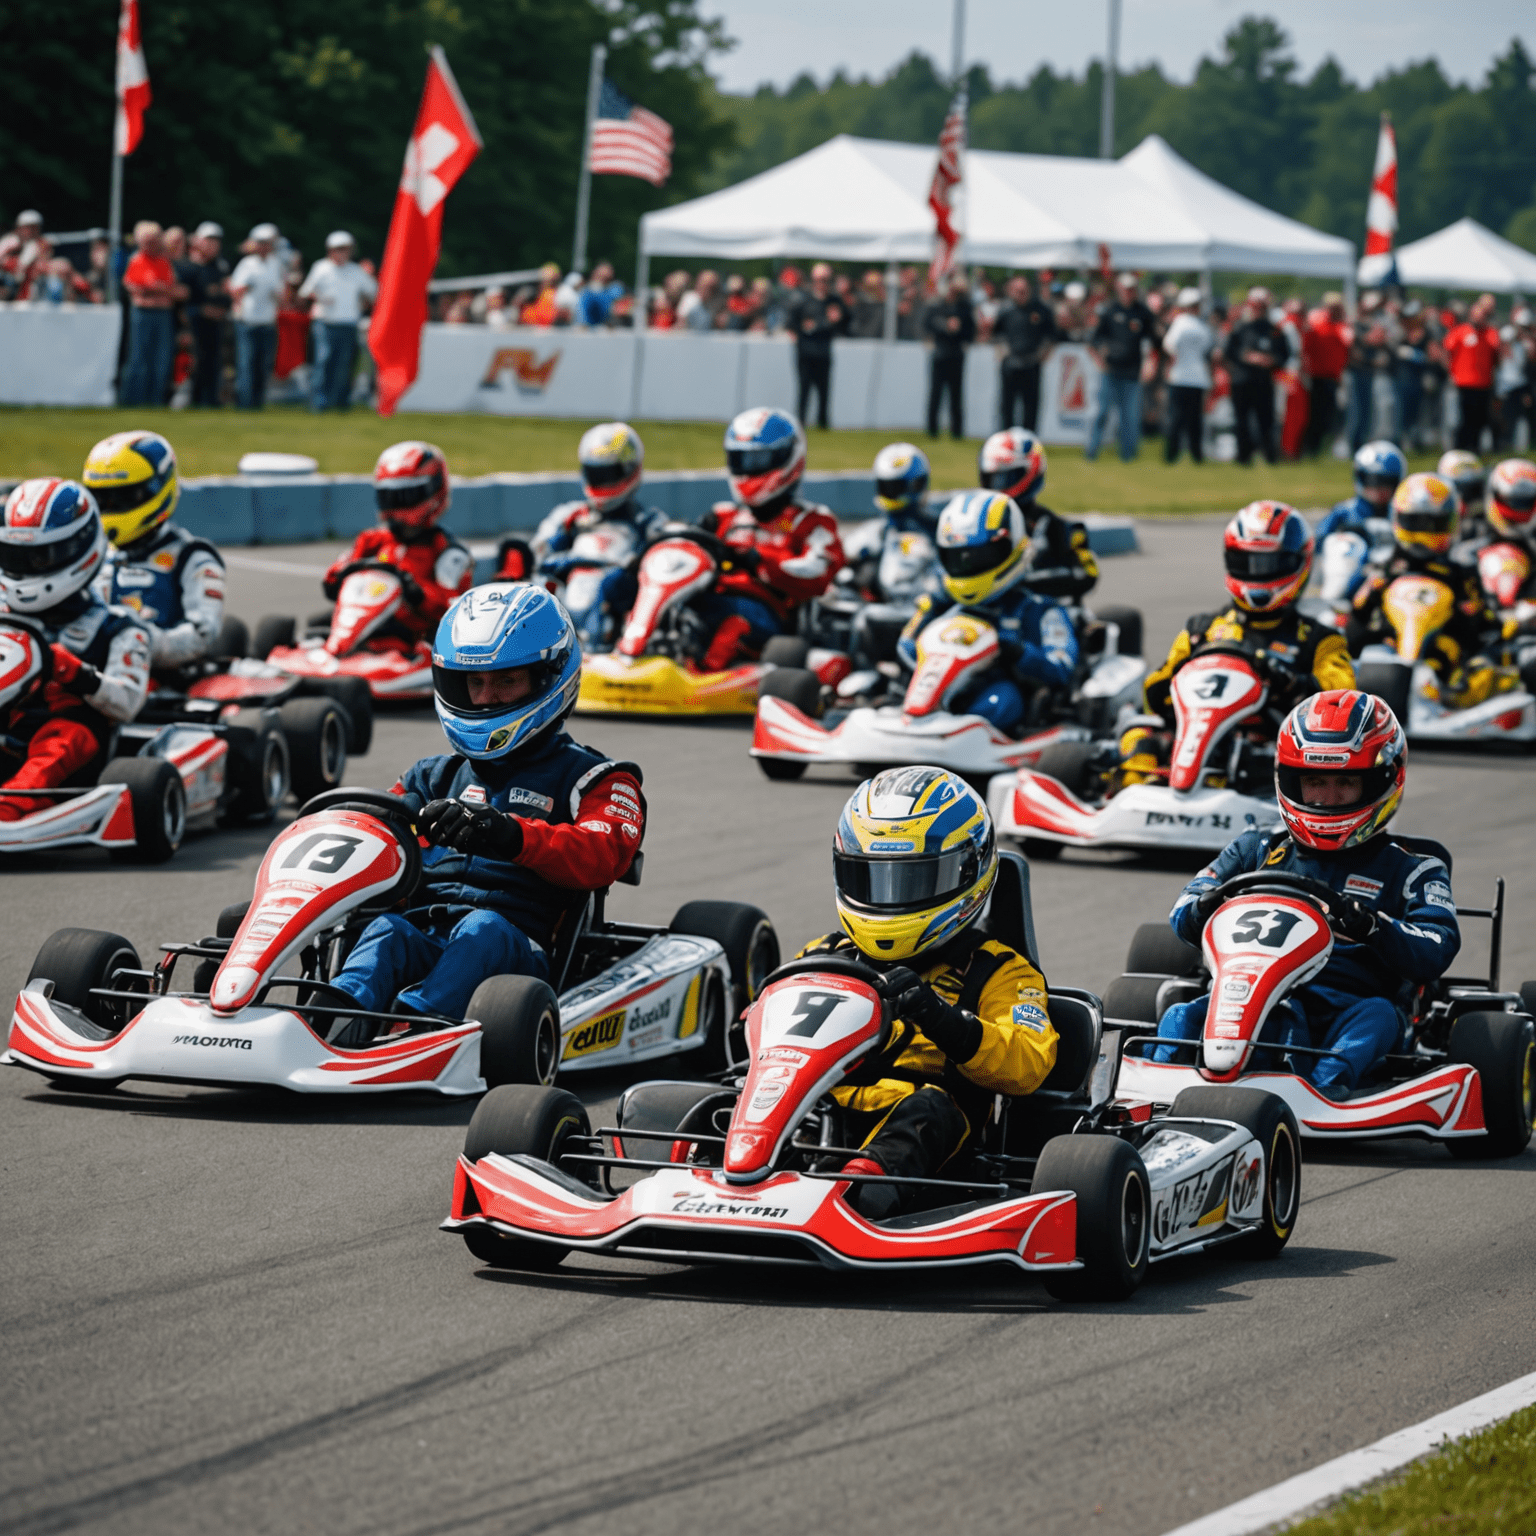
[58,354]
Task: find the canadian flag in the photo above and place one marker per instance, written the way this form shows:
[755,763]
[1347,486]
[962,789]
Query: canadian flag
[1378,265]
[442,144]
[133,94]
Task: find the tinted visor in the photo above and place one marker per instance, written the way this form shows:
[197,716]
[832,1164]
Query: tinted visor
[452,686]
[127,498]
[1374,783]
[1264,564]
[1426,522]
[894,883]
[973,559]
[39,559]
[1002,479]
[1521,497]
[745,462]
[1373,480]
[599,475]
[901,490]
[401,496]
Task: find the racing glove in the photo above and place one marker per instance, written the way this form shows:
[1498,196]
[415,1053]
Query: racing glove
[746,559]
[1353,920]
[473,829]
[1206,904]
[70,673]
[955,1032]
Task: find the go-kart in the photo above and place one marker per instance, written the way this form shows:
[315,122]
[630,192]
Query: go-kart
[1416,608]
[795,728]
[90,1016]
[1504,567]
[576,575]
[651,672]
[1343,559]
[156,781]
[1462,1076]
[1210,797]
[361,638]
[745,1169]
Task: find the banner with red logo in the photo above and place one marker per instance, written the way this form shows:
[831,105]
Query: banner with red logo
[442,144]
[133,94]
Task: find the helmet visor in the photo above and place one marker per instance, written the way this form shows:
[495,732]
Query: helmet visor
[127,498]
[1002,479]
[894,883]
[901,490]
[1519,499]
[39,559]
[403,495]
[1264,564]
[745,462]
[974,559]
[1437,521]
[1374,783]
[1376,480]
[600,475]
[452,686]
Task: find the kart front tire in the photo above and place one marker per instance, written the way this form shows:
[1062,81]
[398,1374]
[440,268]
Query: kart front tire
[795,685]
[519,1019]
[1502,1046]
[781,770]
[316,730]
[1130,625]
[1391,683]
[746,934]
[1158,950]
[272,631]
[786,651]
[258,769]
[356,700]
[1114,1214]
[76,960]
[159,800]
[234,640]
[1067,763]
[1274,1127]
[1133,998]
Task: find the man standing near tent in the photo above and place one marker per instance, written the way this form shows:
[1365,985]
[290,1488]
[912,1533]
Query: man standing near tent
[1119,340]
[1028,329]
[1256,350]
[951,322]
[816,316]
[1473,351]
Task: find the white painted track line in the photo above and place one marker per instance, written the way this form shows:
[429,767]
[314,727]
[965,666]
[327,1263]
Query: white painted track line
[1288,1499]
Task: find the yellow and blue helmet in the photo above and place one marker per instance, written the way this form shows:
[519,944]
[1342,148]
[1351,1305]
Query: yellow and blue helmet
[983,546]
[132,475]
[913,862]
[901,478]
[1425,514]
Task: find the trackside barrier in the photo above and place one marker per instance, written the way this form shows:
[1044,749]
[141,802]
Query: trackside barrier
[298,509]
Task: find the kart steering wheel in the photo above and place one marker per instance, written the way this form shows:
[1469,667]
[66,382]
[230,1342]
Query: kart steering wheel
[396,815]
[1259,664]
[726,556]
[1279,882]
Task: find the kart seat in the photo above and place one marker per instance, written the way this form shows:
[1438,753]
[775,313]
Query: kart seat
[1425,845]
[1076,1018]
[1009,917]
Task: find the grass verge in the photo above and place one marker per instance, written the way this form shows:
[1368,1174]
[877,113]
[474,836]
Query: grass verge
[44,441]
[1483,1485]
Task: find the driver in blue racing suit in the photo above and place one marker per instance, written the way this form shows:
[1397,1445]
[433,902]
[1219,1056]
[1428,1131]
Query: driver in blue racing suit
[986,552]
[1395,922]
[1379,470]
[518,823]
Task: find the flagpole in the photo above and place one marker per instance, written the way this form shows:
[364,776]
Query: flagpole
[114,217]
[584,187]
[957,74]
[1107,101]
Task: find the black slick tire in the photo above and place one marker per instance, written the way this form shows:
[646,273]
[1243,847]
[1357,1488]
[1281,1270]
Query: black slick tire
[1133,998]
[785,651]
[747,936]
[75,960]
[1067,763]
[795,685]
[1391,683]
[1274,1127]
[272,631]
[519,1019]
[1157,950]
[1502,1046]
[1114,1214]
[234,639]
[159,801]
[316,731]
[258,768]
[1129,623]
[356,701]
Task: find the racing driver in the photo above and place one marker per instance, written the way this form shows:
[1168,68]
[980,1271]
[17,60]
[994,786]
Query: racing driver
[1013,463]
[1379,470]
[519,821]
[786,551]
[410,488]
[96,671]
[1268,554]
[173,581]
[976,1009]
[1395,919]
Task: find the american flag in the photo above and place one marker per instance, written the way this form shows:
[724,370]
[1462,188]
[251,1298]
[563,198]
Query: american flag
[946,177]
[629,141]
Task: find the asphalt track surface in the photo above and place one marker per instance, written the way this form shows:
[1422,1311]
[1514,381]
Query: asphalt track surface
[230,1310]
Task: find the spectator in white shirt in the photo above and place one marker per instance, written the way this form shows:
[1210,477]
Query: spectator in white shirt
[338,289]
[256,285]
[497,315]
[1188,343]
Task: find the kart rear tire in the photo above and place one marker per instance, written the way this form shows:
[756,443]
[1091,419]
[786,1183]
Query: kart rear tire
[316,730]
[260,771]
[1274,1127]
[780,770]
[159,801]
[1392,684]
[77,959]
[234,639]
[272,630]
[521,1120]
[1157,950]
[519,1018]
[795,685]
[1114,1214]
[1134,998]
[786,651]
[1528,997]
[1502,1046]
[1067,763]
[319,623]
[1041,849]
[747,936]
[1129,620]
[356,701]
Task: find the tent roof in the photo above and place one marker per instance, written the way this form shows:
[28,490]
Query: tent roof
[867,200]
[1466,255]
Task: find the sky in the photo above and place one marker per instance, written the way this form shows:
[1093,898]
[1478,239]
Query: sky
[779,39]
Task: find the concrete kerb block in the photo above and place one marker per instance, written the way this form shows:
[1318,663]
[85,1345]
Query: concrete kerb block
[220,508]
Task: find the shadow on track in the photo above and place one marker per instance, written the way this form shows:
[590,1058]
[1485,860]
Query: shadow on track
[269,1106]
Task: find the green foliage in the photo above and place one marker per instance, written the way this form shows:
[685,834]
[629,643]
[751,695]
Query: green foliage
[298,111]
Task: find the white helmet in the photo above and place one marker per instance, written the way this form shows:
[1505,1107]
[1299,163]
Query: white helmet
[51,544]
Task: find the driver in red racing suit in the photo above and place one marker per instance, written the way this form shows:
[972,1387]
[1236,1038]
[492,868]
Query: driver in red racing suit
[410,485]
[788,550]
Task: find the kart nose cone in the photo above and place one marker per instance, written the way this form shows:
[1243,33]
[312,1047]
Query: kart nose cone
[233,988]
[1223,1055]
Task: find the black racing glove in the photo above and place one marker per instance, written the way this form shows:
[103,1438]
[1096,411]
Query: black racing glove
[1206,904]
[411,587]
[955,1032]
[1353,920]
[471,829]
[746,559]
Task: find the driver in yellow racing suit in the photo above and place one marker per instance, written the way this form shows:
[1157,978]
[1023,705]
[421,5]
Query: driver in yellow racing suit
[914,862]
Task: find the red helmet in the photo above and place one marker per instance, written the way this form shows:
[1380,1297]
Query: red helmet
[764,460]
[1512,498]
[410,484]
[1012,462]
[1331,736]
[1268,556]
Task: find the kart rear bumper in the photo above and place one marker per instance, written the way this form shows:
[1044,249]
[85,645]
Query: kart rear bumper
[103,816]
[656,685]
[1033,805]
[389,674]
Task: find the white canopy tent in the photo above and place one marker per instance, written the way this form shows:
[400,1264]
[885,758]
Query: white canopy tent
[867,200]
[1466,255]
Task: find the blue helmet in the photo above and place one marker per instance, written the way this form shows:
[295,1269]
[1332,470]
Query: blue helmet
[496,628]
[764,459]
[1379,467]
[901,478]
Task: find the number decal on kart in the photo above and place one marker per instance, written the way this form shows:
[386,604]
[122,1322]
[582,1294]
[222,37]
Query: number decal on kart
[1212,686]
[328,861]
[814,1009]
[1269,927]
[815,1017]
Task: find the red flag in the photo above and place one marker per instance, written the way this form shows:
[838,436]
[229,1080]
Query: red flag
[1381,210]
[946,177]
[442,144]
[132,80]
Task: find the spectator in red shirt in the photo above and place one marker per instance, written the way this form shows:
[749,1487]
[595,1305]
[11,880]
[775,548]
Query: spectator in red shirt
[1472,350]
[1324,352]
[152,289]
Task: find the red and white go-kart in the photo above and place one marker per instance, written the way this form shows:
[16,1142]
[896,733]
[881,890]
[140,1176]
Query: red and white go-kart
[260,1010]
[1462,1076]
[1220,777]
[745,1169]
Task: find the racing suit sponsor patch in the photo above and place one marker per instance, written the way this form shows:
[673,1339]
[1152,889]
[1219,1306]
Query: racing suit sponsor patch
[473,794]
[1438,894]
[595,826]
[516,796]
[628,830]
[1362,885]
[1030,1016]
